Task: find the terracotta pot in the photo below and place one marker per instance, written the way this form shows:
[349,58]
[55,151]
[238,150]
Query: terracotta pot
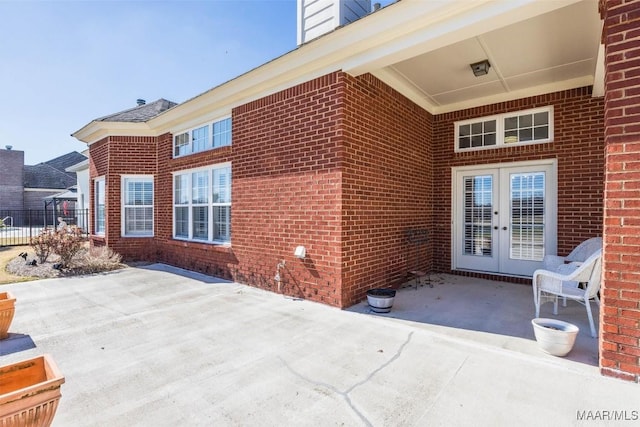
[7,309]
[29,392]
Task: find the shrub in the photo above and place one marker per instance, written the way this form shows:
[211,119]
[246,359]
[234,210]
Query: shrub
[97,259]
[67,242]
[43,244]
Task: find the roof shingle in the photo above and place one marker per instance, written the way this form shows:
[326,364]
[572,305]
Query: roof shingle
[141,113]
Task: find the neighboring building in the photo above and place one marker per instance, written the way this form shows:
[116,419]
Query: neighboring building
[11,179]
[24,187]
[82,191]
[486,126]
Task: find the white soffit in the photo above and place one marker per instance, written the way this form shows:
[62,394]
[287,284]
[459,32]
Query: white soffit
[551,51]
[412,43]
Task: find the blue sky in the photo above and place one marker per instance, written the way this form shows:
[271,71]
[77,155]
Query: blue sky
[64,63]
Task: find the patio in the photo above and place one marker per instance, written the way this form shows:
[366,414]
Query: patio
[491,312]
[163,346]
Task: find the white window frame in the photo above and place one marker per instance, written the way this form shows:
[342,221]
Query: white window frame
[123,207]
[500,129]
[97,182]
[211,142]
[210,204]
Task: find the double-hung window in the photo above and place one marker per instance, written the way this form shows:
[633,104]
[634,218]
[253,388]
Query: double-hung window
[137,206]
[99,205]
[202,204]
[202,138]
[515,128]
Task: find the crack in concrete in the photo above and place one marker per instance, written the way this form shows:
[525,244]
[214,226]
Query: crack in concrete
[345,394]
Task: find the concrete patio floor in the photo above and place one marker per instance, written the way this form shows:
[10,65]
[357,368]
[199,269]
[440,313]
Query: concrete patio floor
[159,346]
[496,313]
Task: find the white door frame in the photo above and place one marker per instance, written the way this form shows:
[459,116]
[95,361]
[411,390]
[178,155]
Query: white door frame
[551,201]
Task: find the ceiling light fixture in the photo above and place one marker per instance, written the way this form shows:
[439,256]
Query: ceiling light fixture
[480,68]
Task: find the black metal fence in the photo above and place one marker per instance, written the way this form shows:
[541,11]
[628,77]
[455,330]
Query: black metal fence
[17,227]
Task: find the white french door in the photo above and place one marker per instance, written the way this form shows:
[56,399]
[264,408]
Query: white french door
[504,217]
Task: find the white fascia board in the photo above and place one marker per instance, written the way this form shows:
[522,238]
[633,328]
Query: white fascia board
[398,31]
[425,32]
[43,190]
[517,94]
[95,131]
[321,56]
[78,166]
[598,80]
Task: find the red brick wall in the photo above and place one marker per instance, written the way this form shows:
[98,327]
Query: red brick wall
[620,315]
[386,186]
[340,165]
[286,190]
[577,146]
[285,193]
[114,157]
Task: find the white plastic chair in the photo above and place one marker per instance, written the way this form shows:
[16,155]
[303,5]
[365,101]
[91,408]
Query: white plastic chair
[563,282]
[579,254]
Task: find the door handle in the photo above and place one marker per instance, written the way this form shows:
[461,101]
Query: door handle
[504,228]
[495,227]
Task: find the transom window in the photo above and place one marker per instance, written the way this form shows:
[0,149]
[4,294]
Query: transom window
[217,134]
[137,206]
[202,204]
[514,128]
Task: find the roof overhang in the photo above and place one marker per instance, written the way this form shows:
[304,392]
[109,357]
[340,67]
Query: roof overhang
[97,130]
[397,44]
[83,165]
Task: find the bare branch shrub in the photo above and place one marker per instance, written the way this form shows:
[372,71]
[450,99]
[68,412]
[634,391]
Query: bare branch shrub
[43,244]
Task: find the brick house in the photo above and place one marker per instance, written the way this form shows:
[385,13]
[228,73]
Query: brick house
[391,126]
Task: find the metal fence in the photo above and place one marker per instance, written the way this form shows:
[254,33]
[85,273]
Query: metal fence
[17,227]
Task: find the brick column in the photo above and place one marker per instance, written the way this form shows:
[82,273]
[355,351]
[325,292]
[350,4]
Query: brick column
[620,311]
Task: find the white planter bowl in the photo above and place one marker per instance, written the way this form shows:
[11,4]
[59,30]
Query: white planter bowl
[555,336]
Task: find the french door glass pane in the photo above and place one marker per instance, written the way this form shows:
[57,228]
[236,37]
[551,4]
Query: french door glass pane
[527,216]
[478,207]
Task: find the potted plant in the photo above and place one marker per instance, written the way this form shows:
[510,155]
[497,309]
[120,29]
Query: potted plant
[7,309]
[29,392]
[380,300]
[554,336]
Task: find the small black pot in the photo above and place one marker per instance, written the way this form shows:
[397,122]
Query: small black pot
[382,293]
[381,300]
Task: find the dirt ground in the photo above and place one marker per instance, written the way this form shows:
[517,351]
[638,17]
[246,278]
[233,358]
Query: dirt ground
[8,254]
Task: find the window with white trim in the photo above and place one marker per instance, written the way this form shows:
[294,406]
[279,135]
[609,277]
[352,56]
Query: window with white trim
[137,206]
[515,128]
[99,205]
[202,138]
[202,204]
